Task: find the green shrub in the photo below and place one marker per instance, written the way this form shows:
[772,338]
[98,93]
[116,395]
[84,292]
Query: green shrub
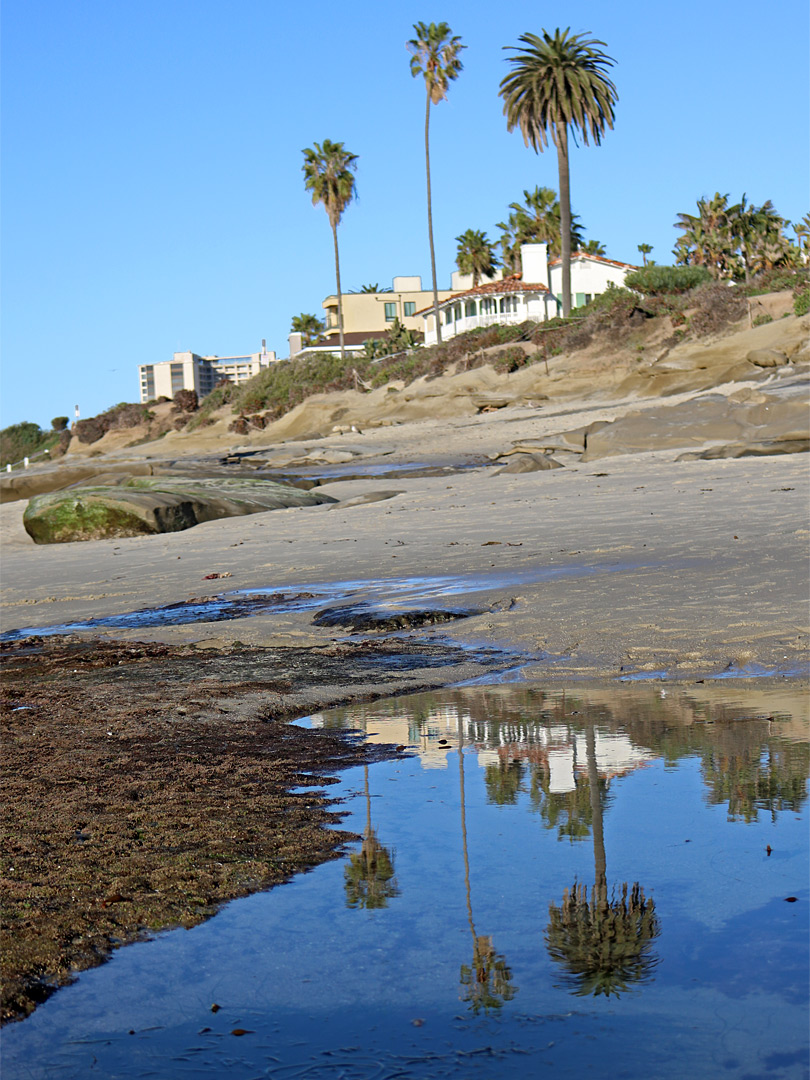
[761,320]
[59,423]
[779,279]
[801,301]
[659,280]
[24,440]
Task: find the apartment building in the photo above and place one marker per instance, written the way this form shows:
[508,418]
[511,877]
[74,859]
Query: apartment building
[188,371]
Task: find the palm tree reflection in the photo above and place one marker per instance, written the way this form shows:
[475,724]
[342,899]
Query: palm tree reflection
[602,941]
[369,877]
[487,982]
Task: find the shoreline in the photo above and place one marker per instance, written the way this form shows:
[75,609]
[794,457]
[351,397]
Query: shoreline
[144,763]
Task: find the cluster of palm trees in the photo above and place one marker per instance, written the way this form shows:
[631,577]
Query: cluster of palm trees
[736,241]
[537,220]
[559,85]
[557,82]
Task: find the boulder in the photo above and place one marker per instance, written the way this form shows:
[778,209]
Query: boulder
[766,357]
[142,506]
[523,463]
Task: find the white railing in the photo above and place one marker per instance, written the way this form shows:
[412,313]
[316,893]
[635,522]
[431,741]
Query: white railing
[472,322]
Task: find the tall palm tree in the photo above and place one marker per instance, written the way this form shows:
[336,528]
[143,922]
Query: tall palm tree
[329,175]
[556,83]
[434,54]
[310,327]
[475,255]
[593,247]
[645,250]
[604,942]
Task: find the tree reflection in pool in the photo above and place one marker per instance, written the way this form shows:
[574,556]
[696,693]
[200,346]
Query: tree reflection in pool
[622,855]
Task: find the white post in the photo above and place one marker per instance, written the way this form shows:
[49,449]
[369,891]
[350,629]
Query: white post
[8,468]
[25,462]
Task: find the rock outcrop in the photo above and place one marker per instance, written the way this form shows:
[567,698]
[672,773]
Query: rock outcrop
[136,506]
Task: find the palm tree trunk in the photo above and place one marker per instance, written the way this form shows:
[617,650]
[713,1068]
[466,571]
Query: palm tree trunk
[430,224]
[599,858]
[565,216]
[339,294]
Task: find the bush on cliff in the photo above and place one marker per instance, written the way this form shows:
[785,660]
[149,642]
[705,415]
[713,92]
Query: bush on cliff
[666,280]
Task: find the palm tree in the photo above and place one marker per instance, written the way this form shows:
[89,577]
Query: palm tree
[369,878]
[645,250]
[328,174]
[434,54]
[487,981]
[373,288]
[475,255]
[558,82]
[707,237]
[510,243]
[802,231]
[593,247]
[310,327]
[538,221]
[604,942]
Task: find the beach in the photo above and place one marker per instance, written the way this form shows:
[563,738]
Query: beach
[146,754]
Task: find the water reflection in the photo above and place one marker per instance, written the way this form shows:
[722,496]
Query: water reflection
[369,877]
[527,860]
[603,943]
[487,982]
[534,742]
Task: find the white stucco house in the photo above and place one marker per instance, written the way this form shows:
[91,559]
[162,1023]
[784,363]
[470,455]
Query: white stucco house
[531,295]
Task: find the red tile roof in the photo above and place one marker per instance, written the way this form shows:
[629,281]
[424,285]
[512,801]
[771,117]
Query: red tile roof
[596,258]
[511,284]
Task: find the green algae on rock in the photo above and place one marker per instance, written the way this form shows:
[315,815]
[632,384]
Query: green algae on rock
[147,505]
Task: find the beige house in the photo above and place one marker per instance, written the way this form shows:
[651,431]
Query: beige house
[371,314]
[188,371]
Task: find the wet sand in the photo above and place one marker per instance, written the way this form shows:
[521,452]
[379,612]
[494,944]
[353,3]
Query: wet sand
[638,561]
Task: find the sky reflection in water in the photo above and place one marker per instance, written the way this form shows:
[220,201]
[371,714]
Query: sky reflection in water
[586,886]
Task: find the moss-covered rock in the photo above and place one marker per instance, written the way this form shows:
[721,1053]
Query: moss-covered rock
[144,505]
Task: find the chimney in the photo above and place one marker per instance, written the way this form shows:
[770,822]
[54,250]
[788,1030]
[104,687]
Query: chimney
[296,344]
[534,258]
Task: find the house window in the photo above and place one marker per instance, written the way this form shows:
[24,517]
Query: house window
[448,316]
[469,308]
[410,307]
[457,312]
[588,298]
[580,299]
[176,371]
[390,312]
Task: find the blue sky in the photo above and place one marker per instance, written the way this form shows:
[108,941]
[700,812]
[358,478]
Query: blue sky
[152,191]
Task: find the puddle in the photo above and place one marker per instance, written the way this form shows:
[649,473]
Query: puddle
[597,880]
[371,595]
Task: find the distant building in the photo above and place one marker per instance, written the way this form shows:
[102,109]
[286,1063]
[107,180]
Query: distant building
[188,371]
